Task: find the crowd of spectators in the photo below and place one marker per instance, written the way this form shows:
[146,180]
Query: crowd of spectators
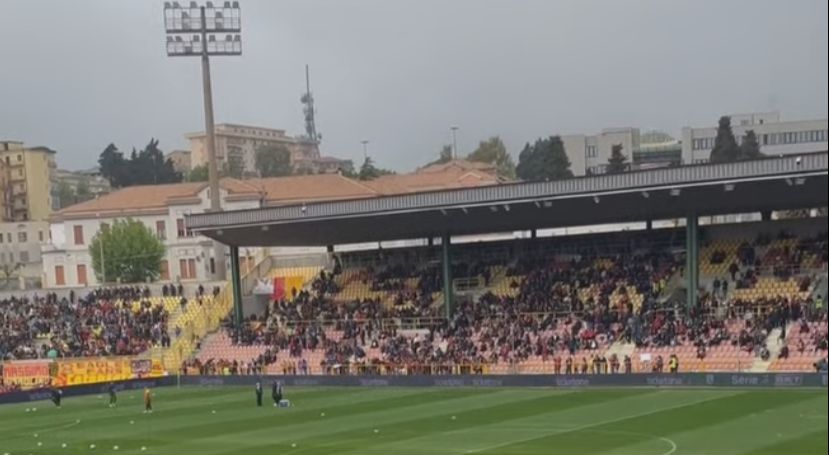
[108,321]
[565,308]
[550,317]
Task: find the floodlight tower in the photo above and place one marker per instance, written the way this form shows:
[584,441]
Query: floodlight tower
[204,31]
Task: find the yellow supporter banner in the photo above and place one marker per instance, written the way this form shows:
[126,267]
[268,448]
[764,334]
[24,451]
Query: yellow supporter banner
[26,373]
[157,370]
[91,371]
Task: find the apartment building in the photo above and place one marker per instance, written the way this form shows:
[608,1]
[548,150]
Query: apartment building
[20,249]
[29,173]
[239,144]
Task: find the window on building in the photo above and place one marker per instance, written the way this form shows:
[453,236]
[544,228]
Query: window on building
[19,158]
[40,236]
[77,230]
[22,237]
[187,268]
[165,271]
[1,237]
[104,226]
[180,229]
[82,274]
[60,279]
[24,257]
[9,237]
[592,151]
[212,266]
[161,229]
[765,139]
[2,257]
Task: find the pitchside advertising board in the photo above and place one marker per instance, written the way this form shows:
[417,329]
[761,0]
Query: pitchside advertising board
[29,374]
[813,380]
[689,380]
[26,373]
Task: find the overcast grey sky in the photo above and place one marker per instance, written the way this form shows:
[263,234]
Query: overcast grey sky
[76,75]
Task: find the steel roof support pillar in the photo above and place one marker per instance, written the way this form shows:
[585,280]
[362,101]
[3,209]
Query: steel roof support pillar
[446,262]
[692,259]
[236,285]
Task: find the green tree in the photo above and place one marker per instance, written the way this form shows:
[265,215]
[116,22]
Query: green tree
[347,169]
[725,148]
[617,163]
[126,252]
[199,173]
[113,166]
[147,167]
[444,156]
[154,167]
[273,161]
[750,148]
[544,160]
[368,171]
[8,271]
[493,151]
[234,167]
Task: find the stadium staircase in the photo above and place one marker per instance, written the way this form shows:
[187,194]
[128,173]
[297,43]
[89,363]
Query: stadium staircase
[621,349]
[217,344]
[199,318]
[774,344]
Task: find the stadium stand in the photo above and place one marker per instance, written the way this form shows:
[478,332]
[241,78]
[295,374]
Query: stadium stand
[583,303]
[119,321]
[542,305]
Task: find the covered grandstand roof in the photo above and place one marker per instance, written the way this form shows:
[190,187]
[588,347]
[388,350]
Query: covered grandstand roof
[711,189]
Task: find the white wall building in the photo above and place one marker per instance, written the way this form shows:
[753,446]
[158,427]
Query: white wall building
[589,153]
[776,137]
[20,246]
[67,261]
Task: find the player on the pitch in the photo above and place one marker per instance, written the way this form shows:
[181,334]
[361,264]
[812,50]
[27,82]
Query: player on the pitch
[276,393]
[57,394]
[148,401]
[113,398]
[259,393]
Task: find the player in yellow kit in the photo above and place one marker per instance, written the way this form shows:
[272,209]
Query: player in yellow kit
[148,401]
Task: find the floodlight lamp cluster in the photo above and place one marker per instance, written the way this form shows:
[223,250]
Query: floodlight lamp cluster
[194,30]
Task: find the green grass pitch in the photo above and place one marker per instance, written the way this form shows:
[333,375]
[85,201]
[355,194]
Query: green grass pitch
[362,421]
